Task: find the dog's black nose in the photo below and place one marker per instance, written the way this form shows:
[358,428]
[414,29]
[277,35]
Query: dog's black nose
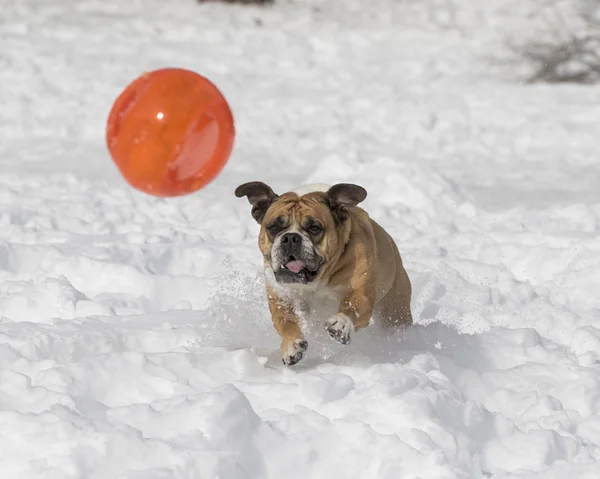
[291,245]
[291,238]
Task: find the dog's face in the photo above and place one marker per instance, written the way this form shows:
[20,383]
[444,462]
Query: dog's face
[299,235]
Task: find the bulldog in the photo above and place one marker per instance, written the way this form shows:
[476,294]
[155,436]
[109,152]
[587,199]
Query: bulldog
[324,255]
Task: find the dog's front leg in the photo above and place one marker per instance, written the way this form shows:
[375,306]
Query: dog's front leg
[286,322]
[354,313]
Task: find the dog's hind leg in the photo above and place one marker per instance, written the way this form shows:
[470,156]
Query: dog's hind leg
[394,307]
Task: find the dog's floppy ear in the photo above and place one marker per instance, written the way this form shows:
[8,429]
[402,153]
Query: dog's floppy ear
[260,197]
[341,198]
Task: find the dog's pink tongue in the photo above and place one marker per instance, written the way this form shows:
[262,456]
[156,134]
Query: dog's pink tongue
[295,266]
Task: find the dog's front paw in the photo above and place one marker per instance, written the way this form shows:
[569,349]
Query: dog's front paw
[292,351]
[339,327]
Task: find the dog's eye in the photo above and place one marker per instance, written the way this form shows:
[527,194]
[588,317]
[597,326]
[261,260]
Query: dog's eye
[315,229]
[273,229]
[276,226]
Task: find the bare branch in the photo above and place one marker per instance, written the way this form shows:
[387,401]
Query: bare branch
[568,56]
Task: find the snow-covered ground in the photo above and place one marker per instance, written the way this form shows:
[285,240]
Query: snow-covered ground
[135,341]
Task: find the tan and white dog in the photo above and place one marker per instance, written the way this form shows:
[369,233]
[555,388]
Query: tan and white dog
[324,255]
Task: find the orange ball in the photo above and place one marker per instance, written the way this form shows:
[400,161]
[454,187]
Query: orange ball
[170,132]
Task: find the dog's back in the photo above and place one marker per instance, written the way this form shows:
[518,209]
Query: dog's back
[311,188]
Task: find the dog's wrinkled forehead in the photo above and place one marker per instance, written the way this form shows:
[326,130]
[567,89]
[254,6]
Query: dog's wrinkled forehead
[294,209]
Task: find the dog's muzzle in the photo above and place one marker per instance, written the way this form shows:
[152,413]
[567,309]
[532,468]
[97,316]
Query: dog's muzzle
[295,259]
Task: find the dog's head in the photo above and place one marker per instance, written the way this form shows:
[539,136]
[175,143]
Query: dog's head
[301,234]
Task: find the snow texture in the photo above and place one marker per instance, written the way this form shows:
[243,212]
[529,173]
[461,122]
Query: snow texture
[135,339]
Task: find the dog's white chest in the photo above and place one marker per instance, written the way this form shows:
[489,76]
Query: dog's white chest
[314,301]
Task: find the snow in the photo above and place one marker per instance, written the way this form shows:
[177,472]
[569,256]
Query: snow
[135,339]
